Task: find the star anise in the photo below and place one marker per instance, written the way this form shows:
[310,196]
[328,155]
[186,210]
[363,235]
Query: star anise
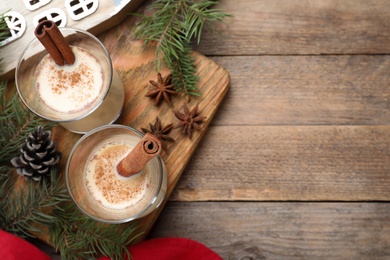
[189,120]
[163,89]
[159,131]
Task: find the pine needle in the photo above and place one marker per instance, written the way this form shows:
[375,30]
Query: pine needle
[16,122]
[77,236]
[22,208]
[4,31]
[173,25]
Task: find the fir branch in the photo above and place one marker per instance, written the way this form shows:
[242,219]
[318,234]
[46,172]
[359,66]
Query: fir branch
[77,236]
[4,31]
[24,208]
[16,122]
[173,25]
[7,181]
[183,73]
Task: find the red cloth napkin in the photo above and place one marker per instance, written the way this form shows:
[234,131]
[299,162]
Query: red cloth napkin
[16,248]
[171,249]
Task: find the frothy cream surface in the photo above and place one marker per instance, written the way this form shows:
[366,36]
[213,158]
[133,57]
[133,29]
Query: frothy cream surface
[69,88]
[107,186]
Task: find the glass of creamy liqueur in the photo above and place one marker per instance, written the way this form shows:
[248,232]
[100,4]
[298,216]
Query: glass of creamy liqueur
[97,188]
[81,96]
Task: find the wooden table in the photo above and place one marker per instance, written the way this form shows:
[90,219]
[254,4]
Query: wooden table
[296,163]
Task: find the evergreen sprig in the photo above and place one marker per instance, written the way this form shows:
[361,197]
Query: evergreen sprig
[16,122]
[7,181]
[77,236]
[172,26]
[4,31]
[23,208]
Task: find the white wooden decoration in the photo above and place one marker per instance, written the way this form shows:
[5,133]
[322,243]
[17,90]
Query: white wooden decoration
[22,17]
[55,14]
[35,4]
[78,9]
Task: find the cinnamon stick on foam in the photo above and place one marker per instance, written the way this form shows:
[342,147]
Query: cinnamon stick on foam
[51,38]
[146,149]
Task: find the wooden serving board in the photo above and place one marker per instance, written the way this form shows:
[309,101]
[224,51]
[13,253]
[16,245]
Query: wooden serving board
[135,65]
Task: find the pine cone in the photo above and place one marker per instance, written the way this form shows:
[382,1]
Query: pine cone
[37,156]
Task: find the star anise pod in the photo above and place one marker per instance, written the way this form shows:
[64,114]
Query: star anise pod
[189,120]
[159,131]
[163,89]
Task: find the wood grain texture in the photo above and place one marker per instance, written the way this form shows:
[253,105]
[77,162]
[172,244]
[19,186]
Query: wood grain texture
[306,119]
[300,27]
[295,163]
[283,163]
[306,90]
[246,230]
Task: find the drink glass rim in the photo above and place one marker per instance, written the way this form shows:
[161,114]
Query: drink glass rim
[34,41]
[109,221]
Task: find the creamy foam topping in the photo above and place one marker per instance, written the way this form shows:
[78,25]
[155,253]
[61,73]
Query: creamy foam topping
[69,88]
[107,186]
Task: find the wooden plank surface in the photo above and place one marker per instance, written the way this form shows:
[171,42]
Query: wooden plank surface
[297,157]
[306,90]
[292,27]
[250,230]
[303,163]
[295,164]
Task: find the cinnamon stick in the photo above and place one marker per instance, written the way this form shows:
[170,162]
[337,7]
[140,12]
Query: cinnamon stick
[52,39]
[146,149]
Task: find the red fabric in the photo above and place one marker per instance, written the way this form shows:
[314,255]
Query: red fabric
[16,248]
[171,249]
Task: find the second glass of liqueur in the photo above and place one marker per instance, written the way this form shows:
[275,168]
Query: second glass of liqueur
[96,186]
